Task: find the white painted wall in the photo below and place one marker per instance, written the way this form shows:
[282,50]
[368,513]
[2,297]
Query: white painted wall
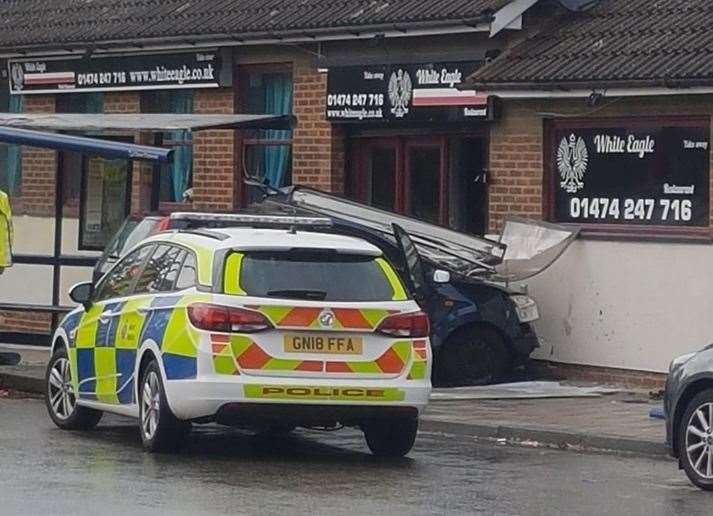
[32,284]
[624,304]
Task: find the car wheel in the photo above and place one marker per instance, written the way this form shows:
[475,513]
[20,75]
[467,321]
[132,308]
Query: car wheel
[390,437]
[61,400]
[695,440]
[472,356]
[160,430]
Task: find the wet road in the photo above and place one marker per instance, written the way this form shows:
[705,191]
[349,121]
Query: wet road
[44,471]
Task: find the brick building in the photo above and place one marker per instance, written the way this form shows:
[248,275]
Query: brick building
[606,120]
[373,87]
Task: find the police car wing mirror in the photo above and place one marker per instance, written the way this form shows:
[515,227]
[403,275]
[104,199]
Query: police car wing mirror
[441,276]
[81,293]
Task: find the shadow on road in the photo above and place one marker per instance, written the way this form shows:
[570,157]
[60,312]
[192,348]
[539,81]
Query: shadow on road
[207,442]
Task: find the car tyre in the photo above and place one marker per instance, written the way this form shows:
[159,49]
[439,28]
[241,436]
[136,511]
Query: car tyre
[391,438]
[695,440]
[472,356]
[161,431]
[60,398]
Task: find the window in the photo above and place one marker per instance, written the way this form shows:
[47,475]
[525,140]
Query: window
[267,153]
[643,175]
[104,203]
[187,277]
[316,275]
[160,272]
[119,281]
[175,178]
[10,155]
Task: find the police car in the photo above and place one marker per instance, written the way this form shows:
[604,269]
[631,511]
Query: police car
[272,324]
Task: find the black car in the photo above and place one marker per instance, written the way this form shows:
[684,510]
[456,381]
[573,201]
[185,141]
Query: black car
[688,406]
[481,328]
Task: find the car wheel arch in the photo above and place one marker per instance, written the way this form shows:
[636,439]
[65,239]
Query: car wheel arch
[149,351]
[59,341]
[690,392]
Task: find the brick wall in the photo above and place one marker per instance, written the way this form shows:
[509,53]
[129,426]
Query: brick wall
[515,167]
[39,167]
[318,147]
[127,103]
[215,173]
[516,144]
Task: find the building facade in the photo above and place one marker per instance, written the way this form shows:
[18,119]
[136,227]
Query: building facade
[373,89]
[605,125]
[459,115]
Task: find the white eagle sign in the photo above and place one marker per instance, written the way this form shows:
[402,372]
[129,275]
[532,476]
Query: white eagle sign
[572,160]
[400,91]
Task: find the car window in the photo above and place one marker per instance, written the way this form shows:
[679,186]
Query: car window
[323,276]
[187,277]
[159,274]
[119,281]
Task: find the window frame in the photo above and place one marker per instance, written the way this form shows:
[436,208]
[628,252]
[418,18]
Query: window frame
[241,76]
[81,244]
[626,232]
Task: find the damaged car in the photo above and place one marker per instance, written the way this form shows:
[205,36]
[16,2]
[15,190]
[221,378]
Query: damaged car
[481,322]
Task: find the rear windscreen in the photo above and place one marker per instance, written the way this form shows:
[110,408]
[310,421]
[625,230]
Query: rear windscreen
[319,276]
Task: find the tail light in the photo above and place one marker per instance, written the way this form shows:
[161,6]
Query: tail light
[226,319]
[414,324]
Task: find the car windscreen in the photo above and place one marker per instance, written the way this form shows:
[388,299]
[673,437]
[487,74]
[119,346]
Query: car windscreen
[315,275]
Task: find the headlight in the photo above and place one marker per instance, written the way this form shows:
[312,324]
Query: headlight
[679,361]
[526,308]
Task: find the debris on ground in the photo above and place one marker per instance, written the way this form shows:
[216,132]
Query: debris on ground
[520,390]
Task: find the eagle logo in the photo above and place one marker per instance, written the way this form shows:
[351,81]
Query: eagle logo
[572,160]
[17,75]
[400,90]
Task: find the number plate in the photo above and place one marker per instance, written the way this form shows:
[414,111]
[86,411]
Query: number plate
[330,344]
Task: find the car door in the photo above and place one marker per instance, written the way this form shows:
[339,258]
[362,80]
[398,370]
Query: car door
[95,360]
[157,277]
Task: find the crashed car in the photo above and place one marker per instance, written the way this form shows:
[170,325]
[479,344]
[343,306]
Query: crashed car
[481,325]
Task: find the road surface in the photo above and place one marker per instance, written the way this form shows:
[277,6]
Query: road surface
[44,470]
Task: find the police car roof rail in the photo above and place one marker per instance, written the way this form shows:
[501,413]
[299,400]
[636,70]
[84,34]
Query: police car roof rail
[204,233]
[225,220]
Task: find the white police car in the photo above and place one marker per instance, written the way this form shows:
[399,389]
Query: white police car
[271,325]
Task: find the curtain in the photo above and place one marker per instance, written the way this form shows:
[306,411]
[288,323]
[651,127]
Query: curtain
[181,102]
[14,153]
[278,101]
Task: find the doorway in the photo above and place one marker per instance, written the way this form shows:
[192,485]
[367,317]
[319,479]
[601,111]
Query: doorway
[441,180]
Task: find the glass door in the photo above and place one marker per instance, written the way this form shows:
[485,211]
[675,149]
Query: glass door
[425,180]
[376,178]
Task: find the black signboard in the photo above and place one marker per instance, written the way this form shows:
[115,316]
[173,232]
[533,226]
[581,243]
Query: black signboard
[640,175]
[405,93]
[116,73]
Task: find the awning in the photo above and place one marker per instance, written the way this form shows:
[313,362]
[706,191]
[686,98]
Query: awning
[143,122]
[93,146]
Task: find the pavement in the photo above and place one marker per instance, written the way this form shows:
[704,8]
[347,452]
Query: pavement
[44,470]
[616,422]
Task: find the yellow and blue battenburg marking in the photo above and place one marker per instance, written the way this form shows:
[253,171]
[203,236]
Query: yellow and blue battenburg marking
[104,340]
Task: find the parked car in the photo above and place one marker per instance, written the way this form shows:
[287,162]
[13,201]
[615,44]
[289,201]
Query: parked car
[481,326]
[688,406]
[270,325]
